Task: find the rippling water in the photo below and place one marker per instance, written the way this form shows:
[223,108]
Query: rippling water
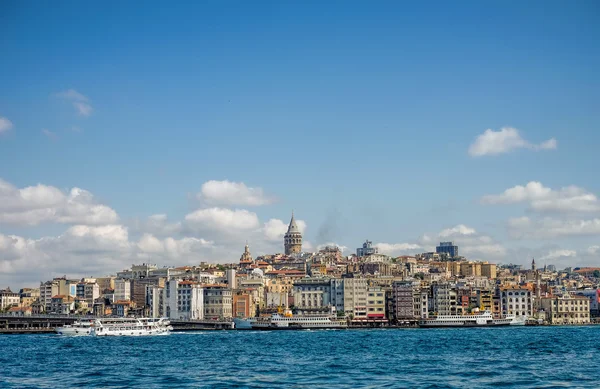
[519,357]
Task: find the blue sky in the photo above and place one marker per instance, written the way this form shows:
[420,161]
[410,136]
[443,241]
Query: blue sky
[357,116]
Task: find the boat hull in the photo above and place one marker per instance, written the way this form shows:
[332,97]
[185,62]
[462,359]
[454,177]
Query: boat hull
[466,325]
[70,331]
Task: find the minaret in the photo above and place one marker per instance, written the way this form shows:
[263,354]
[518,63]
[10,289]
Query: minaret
[292,241]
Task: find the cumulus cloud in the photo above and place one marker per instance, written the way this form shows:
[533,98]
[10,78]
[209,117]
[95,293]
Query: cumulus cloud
[5,124]
[38,204]
[91,251]
[541,198]
[472,244]
[556,254]
[49,134]
[275,229]
[223,219]
[548,228]
[460,229]
[79,101]
[232,194]
[507,139]
[398,248]
[593,250]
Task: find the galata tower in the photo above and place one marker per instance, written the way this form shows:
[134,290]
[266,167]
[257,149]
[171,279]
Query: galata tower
[292,241]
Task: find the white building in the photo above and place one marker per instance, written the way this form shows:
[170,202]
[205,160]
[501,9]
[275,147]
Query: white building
[516,300]
[8,298]
[155,301]
[566,309]
[311,293]
[122,289]
[183,300]
[444,299]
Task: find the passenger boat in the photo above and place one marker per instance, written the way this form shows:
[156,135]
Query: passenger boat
[288,321]
[243,324]
[479,319]
[78,328]
[131,327]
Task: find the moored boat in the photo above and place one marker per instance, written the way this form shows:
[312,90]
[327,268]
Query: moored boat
[478,319]
[288,321]
[243,323]
[131,327]
[78,328]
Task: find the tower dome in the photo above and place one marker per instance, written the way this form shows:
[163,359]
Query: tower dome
[292,241]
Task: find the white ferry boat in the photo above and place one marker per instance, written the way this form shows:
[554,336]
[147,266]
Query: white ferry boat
[243,324]
[78,328]
[483,319]
[288,321]
[131,327]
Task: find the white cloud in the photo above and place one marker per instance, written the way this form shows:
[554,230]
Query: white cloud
[232,193]
[556,254]
[223,219]
[49,134]
[593,250]
[84,109]
[275,229]
[92,251]
[458,230]
[38,204]
[79,101]
[398,248]
[548,228]
[507,139]
[174,248]
[5,124]
[473,245]
[541,198]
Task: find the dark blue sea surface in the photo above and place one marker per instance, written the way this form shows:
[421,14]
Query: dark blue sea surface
[510,357]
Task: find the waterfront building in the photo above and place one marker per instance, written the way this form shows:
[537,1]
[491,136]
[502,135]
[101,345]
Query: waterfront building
[516,300]
[292,240]
[217,302]
[409,301]
[594,296]
[243,305]
[183,300]
[366,249]
[485,299]
[566,309]
[448,248]
[312,293]
[375,302]
[8,299]
[354,297]
[444,299]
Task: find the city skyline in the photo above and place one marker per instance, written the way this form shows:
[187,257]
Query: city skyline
[205,127]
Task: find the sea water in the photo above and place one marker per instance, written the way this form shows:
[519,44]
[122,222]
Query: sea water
[508,357]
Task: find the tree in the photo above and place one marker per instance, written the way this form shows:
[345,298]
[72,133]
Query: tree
[597,273]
